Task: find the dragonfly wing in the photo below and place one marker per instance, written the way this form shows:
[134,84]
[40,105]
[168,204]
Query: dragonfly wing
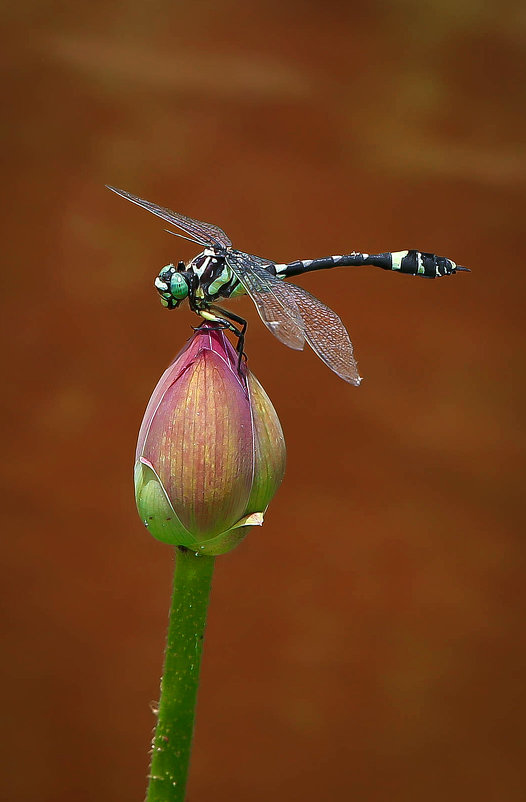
[275,304]
[204,233]
[326,335]
[259,259]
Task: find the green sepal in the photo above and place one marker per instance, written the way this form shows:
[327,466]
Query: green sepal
[155,508]
[226,541]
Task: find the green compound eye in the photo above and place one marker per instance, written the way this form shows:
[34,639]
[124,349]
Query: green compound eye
[178,286]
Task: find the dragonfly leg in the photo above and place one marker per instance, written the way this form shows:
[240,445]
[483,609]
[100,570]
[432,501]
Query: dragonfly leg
[224,324]
[240,334]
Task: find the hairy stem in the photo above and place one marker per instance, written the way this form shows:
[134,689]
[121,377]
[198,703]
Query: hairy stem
[172,741]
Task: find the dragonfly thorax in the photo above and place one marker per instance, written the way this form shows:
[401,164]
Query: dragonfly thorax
[213,273]
[205,263]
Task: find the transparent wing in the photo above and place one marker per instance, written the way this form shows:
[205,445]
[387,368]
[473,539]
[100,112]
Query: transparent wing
[204,233]
[276,305]
[259,259]
[326,334]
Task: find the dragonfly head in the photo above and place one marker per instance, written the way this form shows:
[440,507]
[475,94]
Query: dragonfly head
[173,284]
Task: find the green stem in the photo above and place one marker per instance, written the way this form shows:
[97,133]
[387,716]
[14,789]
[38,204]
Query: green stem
[172,741]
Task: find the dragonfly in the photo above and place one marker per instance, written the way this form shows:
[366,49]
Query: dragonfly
[291,313]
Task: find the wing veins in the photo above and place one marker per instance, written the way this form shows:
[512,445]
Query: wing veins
[204,233]
[276,307]
[326,335]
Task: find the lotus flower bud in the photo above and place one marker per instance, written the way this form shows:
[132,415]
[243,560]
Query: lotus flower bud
[211,452]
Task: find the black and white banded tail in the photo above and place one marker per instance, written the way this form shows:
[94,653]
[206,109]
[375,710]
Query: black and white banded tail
[413,263]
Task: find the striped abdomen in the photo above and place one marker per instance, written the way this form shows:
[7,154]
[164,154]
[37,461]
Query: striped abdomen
[414,263]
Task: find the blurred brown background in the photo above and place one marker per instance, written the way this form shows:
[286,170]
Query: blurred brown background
[367,643]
